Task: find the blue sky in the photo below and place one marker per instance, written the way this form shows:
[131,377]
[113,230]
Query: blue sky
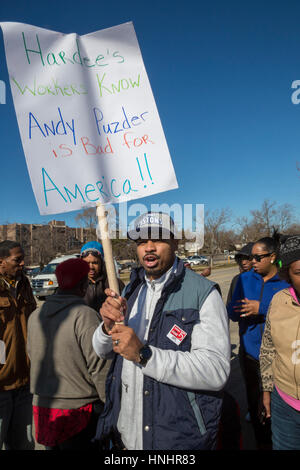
[221,74]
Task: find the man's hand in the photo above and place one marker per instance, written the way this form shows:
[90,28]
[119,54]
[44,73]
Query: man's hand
[267,403]
[113,310]
[247,307]
[125,342]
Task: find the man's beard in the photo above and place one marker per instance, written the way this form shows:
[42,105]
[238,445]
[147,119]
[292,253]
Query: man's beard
[157,271]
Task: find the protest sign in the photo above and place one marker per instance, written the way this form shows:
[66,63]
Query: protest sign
[88,121]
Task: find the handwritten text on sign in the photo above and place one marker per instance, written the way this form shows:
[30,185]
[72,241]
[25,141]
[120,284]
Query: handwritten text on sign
[87,117]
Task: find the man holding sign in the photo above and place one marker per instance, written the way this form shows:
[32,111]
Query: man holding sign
[171,354]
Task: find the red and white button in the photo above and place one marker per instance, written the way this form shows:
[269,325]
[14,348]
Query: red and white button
[176,334]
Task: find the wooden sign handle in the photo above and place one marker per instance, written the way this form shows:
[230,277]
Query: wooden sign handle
[107,248]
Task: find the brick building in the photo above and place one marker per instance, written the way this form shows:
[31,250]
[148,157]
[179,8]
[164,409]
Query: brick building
[41,243]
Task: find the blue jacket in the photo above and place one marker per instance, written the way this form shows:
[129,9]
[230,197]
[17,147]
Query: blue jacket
[250,285]
[183,418]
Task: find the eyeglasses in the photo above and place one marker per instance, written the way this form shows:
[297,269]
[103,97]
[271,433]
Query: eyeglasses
[86,253]
[258,258]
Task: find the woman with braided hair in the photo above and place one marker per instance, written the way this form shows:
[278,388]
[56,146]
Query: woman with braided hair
[279,354]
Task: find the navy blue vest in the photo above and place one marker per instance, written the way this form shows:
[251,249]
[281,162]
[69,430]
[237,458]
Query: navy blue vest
[173,418]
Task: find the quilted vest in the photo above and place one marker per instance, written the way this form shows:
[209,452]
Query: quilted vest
[173,418]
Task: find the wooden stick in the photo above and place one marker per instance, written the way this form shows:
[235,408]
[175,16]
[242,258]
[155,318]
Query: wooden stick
[107,248]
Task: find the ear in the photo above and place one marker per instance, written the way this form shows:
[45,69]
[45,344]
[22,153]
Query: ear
[2,264]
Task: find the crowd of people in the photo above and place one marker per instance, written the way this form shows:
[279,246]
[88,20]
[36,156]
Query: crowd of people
[146,369]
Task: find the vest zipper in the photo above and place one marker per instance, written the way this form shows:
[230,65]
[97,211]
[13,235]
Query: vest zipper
[152,284]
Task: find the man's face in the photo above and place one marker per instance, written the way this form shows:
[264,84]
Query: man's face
[13,265]
[95,264]
[156,256]
[244,263]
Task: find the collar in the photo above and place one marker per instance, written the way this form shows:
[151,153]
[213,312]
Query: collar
[6,283]
[294,295]
[259,276]
[159,283]
[137,276]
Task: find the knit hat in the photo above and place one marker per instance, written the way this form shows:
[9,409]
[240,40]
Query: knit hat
[245,251]
[152,225]
[95,247]
[289,250]
[70,272]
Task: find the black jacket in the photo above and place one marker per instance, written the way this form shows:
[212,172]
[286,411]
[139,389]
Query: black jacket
[95,295]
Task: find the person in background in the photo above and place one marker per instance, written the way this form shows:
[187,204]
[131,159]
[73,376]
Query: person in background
[66,375]
[279,353]
[171,357]
[92,253]
[242,258]
[249,305]
[206,272]
[16,304]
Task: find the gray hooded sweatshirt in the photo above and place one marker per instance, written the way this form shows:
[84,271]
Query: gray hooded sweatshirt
[65,372]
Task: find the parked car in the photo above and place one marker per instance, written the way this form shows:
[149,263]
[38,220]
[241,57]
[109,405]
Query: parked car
[45,283]
[32,271]
[197,259]
[129,265]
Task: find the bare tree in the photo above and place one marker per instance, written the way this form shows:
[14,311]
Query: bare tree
[249,230]
[265,218]
[88,219]
[214,221]
[285,217]
[294,229]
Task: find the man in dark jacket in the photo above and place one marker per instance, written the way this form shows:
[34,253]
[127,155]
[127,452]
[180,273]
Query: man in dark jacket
[92,253]
[245,264]
[16,304]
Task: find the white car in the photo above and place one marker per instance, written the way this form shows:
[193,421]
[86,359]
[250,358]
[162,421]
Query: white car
[45,283]
[197,259]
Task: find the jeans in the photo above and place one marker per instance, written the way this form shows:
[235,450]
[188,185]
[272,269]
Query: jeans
[16,419]
[285,424]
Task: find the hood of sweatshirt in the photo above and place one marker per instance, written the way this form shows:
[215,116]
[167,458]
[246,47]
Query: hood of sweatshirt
[57,302]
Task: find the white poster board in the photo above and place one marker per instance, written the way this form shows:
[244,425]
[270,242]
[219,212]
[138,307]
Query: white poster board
[87,117]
